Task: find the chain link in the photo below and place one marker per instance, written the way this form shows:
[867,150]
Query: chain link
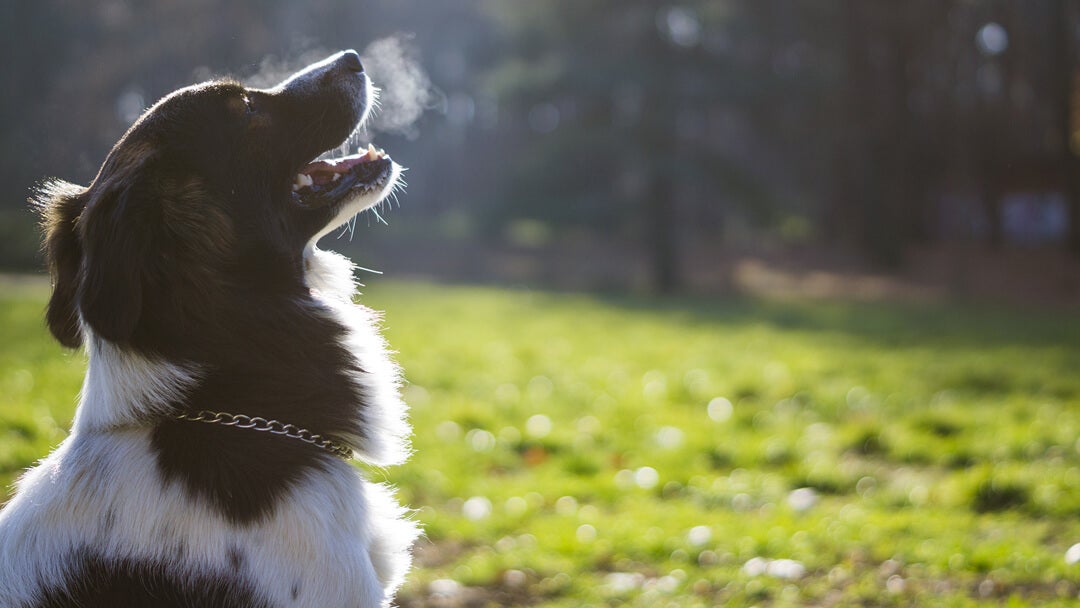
[274,427]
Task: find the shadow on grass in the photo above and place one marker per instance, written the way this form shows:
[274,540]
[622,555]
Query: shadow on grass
[886,323]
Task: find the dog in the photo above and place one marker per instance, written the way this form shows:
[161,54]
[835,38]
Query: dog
[230,374]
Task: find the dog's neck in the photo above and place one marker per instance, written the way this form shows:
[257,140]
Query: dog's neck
[123,388]
[342,383]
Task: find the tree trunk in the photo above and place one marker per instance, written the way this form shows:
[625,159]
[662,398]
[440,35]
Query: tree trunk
[663,240]
[844,212]
[660,213]
[1065,53]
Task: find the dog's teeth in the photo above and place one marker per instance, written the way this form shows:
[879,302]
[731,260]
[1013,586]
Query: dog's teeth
[373,153]
[336,177]
[301,181]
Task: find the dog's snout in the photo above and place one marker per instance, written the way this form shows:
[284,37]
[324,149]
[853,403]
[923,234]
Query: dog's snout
[351,60]
[339,68]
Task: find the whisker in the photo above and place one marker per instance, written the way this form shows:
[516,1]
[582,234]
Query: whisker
[375,211]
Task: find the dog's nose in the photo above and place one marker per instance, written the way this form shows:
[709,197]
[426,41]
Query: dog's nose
[352,61]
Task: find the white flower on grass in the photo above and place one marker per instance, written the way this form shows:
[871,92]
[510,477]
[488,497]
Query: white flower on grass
[505,544]
[515,579]
[669,437]
[699,535]
[480,440]
[755,566]
[476,508]
[516,506]
[586,533]
[784,569]
[448,430]
[664,584]
[623,582]
[742,502]
[720,409]
[654,385]
[646,478]
[538,426]
[803,499]
[624,479]
[444,587]
[566,505]
[895,584]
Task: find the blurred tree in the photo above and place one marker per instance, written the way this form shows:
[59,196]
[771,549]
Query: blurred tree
[663,126]
[886,162]
[617,108]
[940,93]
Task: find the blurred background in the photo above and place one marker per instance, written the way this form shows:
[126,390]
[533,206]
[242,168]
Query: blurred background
[869,148]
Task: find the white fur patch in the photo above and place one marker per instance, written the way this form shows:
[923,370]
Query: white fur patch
[386,431]
[335,539]
[123,387]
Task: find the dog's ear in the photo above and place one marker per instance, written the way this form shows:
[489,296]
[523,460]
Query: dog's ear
[59,204]
[116,236]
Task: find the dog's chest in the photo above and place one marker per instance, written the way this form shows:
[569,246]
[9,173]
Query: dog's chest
[103,499]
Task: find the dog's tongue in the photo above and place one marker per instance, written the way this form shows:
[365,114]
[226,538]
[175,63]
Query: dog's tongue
[326,171]
[323,171]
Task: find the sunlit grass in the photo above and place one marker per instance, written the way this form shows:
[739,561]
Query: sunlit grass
[575,450]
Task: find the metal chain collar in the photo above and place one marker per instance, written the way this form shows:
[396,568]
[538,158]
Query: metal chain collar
[273,427]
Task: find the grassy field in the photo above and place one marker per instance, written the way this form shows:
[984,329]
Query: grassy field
[575,451]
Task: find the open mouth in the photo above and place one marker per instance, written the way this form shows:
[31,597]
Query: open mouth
[326,182]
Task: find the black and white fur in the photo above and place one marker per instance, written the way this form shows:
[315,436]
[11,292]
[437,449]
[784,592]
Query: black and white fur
[188,270]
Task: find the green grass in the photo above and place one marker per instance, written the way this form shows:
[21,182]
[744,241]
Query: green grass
[566,455]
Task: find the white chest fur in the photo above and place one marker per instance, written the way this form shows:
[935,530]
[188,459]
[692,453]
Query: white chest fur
[335,540]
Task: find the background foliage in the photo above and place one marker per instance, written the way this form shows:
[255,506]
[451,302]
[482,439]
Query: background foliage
[662,134]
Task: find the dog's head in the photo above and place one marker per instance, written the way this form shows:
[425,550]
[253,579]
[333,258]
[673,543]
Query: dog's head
[213,190]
